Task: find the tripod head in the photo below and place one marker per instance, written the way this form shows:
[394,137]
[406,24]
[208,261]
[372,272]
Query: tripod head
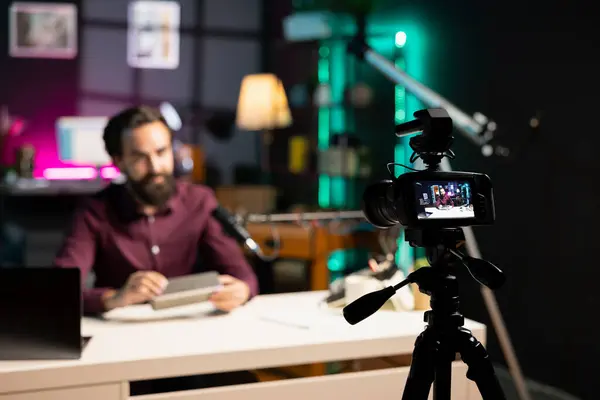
[437,281]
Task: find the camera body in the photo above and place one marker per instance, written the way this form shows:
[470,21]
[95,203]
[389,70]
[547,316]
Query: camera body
[431,199]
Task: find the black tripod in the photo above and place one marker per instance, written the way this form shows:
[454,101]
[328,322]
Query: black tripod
[444,336]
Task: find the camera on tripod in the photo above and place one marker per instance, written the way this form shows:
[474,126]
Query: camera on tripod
[430,198]
[433,206]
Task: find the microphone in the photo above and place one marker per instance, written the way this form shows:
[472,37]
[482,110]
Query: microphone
[232,227]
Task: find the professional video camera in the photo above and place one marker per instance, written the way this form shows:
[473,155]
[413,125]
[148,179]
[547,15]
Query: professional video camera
[433,206]
[430,198]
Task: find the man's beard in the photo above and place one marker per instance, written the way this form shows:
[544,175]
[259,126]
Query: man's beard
[150,193]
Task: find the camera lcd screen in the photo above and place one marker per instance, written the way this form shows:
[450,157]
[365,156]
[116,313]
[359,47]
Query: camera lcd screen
[444,200]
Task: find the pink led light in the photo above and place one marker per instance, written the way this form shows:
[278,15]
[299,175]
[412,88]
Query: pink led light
[82,173]
[109,173]
[17,127]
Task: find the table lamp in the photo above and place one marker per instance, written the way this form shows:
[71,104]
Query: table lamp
[263,106]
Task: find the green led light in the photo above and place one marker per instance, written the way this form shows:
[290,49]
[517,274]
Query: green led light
[333,191]
[345,261]
[400,116]
[400,39]
[323,128]
[399,156]
[324,52]
[324,116]
[337,261]
[339,191]
[324,195]
[404,254]
[338,86]
[323,69]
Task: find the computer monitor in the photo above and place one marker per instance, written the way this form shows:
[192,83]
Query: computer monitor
[80,141]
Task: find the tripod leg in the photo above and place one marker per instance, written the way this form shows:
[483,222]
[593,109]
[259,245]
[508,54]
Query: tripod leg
[442,384]
[480,369]
[422,367]
[492,308]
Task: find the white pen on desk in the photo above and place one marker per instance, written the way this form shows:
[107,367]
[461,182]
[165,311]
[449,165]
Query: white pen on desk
[284,323]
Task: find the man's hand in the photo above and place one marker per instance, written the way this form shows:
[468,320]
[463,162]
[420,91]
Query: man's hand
[233,294]
[139,288]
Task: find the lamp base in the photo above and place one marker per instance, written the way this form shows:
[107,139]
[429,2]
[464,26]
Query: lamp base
[265,159]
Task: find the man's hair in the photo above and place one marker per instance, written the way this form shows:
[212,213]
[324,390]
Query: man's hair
[124,121]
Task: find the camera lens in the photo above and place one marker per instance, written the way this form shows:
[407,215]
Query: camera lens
[378,204]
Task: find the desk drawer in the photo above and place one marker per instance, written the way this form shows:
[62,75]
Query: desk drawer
[99,392]
[380,384]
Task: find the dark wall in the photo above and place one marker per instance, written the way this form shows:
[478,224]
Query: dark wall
[295,64]
[510,60]
[41,90]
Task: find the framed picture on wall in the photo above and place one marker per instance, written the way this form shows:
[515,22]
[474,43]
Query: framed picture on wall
[43,30]
[153,34]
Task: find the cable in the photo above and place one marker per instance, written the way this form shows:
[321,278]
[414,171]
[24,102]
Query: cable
[390,165]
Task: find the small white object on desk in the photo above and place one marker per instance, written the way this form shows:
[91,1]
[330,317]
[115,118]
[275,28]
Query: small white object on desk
[359,285]
[403,300]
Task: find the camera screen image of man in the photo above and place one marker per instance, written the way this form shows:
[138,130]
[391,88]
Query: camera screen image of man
[137,235]
[444,199]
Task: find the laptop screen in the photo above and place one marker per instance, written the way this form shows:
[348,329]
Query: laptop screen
[40,313]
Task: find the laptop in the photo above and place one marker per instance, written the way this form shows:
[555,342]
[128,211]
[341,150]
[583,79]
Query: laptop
[40,314]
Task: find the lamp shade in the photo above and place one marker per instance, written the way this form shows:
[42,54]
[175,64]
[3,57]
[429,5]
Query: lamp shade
[262,103]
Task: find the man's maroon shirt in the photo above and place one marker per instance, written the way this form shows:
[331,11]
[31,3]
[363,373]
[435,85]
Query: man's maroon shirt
[111,237]
[444,201]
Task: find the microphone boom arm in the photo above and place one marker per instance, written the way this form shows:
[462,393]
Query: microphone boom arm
[478,129]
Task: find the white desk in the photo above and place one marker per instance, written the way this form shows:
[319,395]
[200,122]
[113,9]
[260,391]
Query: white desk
[244,340]
[453,212]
